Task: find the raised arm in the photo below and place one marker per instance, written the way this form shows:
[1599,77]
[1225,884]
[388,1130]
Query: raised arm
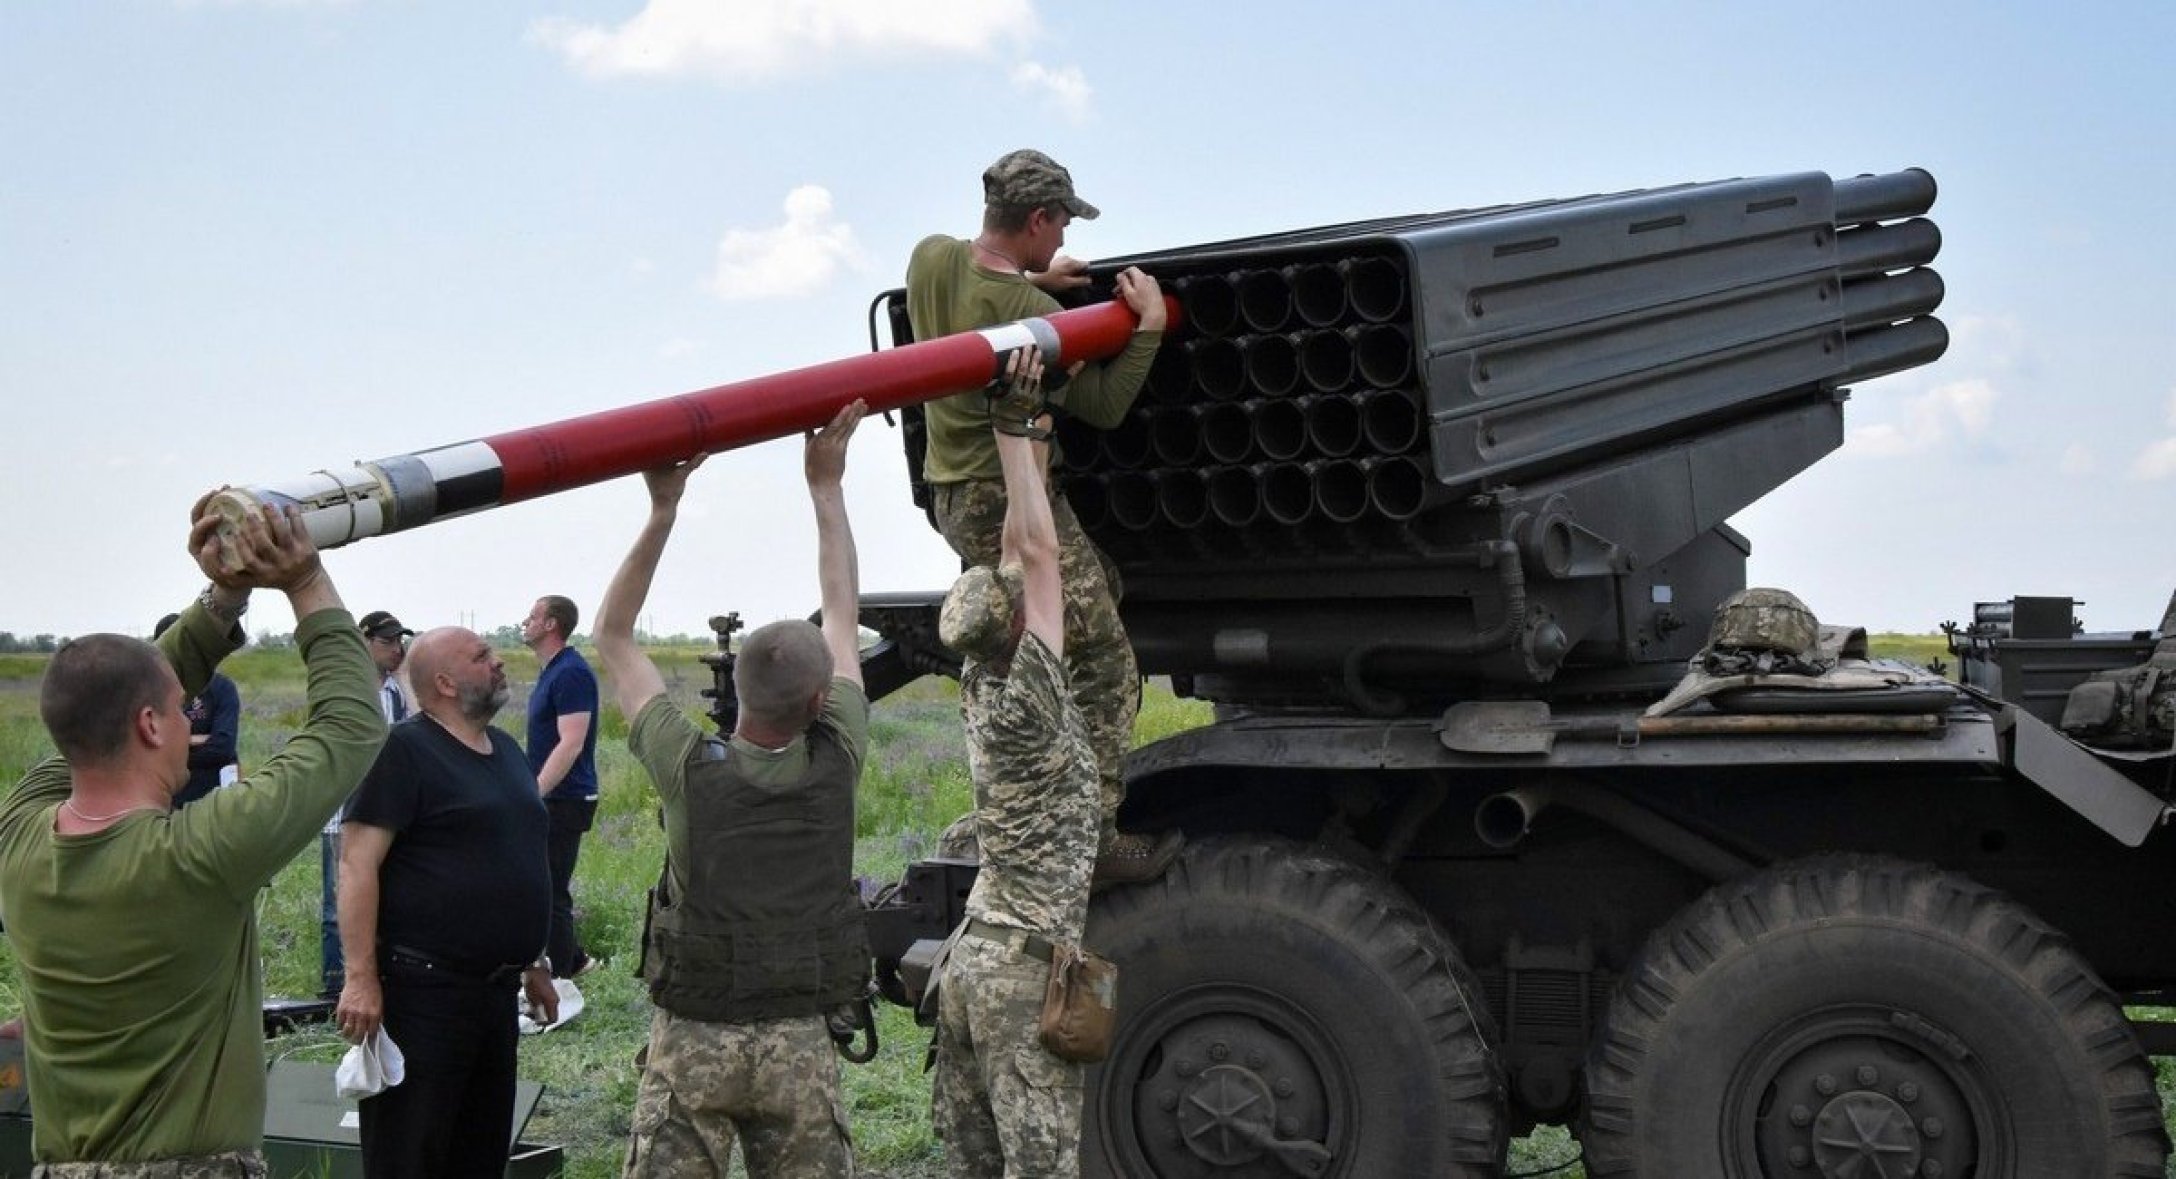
[1030,536]
[838,573]
[635,679]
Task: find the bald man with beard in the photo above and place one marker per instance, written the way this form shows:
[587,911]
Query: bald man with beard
[445,901]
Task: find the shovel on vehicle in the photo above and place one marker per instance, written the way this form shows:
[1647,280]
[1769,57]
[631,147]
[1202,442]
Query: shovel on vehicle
[1525,726]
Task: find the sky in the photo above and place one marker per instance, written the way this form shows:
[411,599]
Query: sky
[241,240]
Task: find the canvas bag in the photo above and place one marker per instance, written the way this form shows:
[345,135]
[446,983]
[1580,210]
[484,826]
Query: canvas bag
[1080,1006]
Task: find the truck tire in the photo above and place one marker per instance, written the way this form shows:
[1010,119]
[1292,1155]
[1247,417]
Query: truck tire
[1855,1016]
[1284,1012]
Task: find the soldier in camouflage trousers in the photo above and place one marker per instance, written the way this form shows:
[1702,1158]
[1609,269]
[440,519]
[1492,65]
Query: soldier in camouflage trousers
[755,933]
[1007,273]
[1004,1105]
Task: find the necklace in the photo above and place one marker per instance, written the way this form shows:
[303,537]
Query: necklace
[1009,260]
[70,805]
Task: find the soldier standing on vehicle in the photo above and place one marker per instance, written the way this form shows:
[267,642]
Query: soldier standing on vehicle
[1003,275]
[755,933]
[1003,1104]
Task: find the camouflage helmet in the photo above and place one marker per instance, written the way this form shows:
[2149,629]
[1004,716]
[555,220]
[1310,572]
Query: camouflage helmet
[1762,619]
[977,617]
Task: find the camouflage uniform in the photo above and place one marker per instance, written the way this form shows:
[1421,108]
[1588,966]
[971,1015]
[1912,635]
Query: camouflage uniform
[1003,1105]
[774,1078]
[1106,682]
[231,1165]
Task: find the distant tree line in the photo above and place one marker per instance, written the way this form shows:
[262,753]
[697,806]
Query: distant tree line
[15,644]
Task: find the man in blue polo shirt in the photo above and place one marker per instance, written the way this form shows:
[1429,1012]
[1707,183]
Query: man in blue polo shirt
[563,753]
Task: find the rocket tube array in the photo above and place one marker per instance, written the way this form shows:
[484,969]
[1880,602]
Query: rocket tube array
[1288,401]
[405,491]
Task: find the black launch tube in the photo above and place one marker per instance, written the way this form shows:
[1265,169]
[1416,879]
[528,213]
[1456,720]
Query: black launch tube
[1890,297]
[1872,249]
[1874,198]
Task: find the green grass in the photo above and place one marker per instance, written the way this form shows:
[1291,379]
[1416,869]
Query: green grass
[915,783]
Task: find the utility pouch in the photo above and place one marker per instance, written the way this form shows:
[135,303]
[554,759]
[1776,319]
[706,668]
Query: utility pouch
[1080,1006]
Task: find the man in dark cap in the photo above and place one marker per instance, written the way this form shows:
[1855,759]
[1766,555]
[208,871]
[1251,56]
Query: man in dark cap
[387,641]
[1004,274]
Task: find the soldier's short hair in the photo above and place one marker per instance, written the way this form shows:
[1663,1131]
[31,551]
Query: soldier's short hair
[94,687]
[562,612]
[780,668]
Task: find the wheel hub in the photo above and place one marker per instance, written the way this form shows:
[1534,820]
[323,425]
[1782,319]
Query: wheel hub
[1231,1094]
[1843,1100]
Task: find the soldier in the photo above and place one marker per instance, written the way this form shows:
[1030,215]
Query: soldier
[1003,1104]
[759,834]
[135,926]
[1000,276]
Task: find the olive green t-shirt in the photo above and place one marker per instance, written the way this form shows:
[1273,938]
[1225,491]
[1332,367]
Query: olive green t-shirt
[948,293]
[142,993]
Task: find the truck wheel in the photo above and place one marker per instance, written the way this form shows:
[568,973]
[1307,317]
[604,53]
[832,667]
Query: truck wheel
[1859,1017]
[1283,1012]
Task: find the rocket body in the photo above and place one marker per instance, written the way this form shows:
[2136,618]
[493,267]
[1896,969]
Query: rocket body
[340,506]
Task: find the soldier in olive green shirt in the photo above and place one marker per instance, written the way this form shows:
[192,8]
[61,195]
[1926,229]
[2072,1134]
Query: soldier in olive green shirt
[135,926]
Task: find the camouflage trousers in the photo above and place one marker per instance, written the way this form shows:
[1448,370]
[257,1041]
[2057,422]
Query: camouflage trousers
[774,1083]
[238,1164]
[1005,1108]
[1098,657]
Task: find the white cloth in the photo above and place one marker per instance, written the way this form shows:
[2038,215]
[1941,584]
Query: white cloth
[369,1068]
[570,1005]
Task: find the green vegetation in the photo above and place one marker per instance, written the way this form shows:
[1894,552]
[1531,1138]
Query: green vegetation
[914,785]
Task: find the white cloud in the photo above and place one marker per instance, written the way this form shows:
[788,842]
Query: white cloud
[756,40]
[2157,461]
[1930,420]
[789,260]
[1065,87]
[2077,459]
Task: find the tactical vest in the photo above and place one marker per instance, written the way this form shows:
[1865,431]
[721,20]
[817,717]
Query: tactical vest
[770,926]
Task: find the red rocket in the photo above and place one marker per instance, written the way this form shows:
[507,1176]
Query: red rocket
[410,490]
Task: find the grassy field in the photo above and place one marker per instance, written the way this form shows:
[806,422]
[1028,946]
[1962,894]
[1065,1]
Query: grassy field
[915,783]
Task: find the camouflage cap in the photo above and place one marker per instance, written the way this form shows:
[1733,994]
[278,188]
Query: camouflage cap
[1028,178]
[976,620]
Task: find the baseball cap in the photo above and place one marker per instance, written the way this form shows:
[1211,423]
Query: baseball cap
[379,625]
[1028,177]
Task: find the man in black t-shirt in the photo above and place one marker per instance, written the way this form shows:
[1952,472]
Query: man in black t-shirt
[445,900]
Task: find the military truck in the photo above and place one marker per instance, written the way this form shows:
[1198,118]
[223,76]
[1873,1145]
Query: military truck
[1435,510]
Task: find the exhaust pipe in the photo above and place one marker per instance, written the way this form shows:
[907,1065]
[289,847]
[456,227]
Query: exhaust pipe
[1503,820]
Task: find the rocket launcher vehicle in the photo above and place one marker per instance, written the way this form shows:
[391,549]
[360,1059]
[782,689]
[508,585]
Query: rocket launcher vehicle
[1420,457]
[406,491]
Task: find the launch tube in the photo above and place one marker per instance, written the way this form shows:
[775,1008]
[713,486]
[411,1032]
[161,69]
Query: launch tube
[1318,293]
[1218,367]
[1326,360]
[1272,364]
[1280,428]
[1227,432]
[1174,434]
[1384,353]
[1182,497]
[1873,198]
[1374,287]
[1126,444]
[1235,496]
[1265,300]
[1890,297]
[1872,249]
[1390,420]
[1132,499]
[1288,495]
[1333,424]
[1211,304]
[410,490]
